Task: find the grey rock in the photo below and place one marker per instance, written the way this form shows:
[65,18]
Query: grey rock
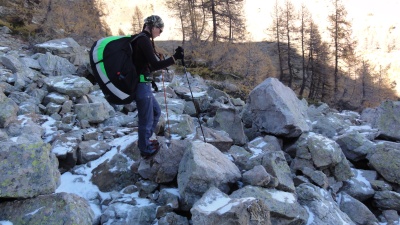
[163,167]
[240,156]
[133,215]
[70,85]
[57,209]
[386,161]
[387,200]
[175,106]
[257,176]
[358,186]
[92,112]
[323,151]
[275,109]
[146,187]
[173,219]
[91,150]
[215,208]
[219,138]
[283,206]
[169,196]
[391,216]
[355,146]
[316,176]
[8,112]
[113,174]
[320,206]
[28,108]
[229,120]
[65,148]
[201,167]
[181,125]
[330,125]
[29,170]
[385,119]
[356,210]
[52,108]
[276,165]
[55,97]
[66,48]
[52,65]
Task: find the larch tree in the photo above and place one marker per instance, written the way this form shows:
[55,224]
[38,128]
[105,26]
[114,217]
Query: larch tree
[284,31]
[226,18]
[305,18]
[318,60]
[137,20]
[277,25]
[343,45]
[192,16]
[289,19]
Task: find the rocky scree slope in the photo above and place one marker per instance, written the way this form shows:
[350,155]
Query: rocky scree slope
[69,157]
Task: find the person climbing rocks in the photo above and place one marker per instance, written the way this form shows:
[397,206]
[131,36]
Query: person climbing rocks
[145,60]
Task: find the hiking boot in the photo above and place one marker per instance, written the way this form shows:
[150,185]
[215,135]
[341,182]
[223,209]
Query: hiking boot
[154,143]
[152,150]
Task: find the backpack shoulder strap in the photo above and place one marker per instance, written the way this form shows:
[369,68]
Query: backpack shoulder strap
[136,36]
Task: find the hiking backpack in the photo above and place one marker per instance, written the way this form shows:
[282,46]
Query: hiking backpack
[113,68]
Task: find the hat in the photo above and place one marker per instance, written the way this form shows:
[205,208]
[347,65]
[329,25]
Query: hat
[154,21]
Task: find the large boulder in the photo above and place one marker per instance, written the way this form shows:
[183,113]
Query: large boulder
[53,65]
[387,200]
[141,212]
[114,174]
[217,208]
[65,148]
[181,125]
[8,110]
[386,161]
[319,152]
[321,207]
[71,85]
[274,108]
[18,67]
[55,209]
[163,167]
[283,205]
[276,165]
[219,138]
[66,48]
[330,125]
[29,170]
[228,119]
[356,210]
[354,145]
[91,150]
[386,119]
[358,186]
[201,167]
[92,112]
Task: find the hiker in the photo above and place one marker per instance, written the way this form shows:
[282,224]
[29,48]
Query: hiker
[144,58]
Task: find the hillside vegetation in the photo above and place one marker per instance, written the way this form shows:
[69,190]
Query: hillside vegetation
[244,64]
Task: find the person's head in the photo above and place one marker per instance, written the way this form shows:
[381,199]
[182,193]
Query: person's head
[154,25]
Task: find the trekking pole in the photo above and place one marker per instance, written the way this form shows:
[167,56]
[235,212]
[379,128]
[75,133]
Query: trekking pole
[197,113]
[166,105]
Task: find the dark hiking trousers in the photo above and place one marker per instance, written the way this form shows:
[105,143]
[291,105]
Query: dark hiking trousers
[148,113]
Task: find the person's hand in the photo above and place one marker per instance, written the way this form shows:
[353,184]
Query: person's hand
[178,53]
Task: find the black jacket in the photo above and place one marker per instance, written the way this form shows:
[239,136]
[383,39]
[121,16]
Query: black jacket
[144,57]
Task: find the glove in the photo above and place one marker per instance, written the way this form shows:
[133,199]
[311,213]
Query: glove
[178,53]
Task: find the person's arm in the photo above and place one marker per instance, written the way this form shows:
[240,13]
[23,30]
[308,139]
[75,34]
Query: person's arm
[147,49]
